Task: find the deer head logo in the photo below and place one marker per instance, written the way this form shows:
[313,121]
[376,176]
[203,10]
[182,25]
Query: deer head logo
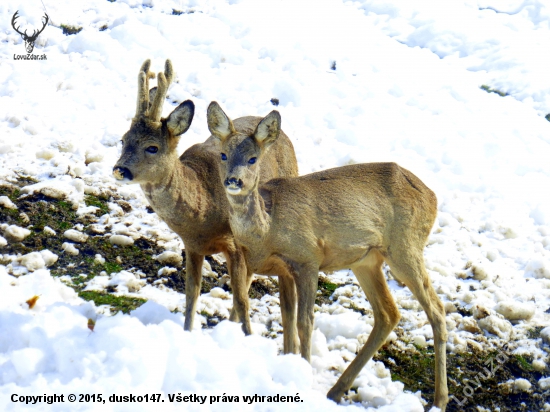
[29,40]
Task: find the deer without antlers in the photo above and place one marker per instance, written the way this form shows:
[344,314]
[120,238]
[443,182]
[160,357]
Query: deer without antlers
[29,40]
[353,217]
[185,190]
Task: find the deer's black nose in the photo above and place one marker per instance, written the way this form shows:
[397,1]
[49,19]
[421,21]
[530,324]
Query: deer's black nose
[122,173]
[233,182]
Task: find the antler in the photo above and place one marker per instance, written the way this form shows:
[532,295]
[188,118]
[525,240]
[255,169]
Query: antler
[25,35]
[143,88]
[15,16]
[164,79]
[35,34]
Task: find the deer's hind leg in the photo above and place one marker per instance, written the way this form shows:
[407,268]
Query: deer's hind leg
[408,267]
[288,299]
[306,277]
[386,315]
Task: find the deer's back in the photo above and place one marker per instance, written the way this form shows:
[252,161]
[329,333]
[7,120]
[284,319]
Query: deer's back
[346,211]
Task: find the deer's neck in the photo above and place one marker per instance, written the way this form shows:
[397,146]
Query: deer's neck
[249,220]
[177,196]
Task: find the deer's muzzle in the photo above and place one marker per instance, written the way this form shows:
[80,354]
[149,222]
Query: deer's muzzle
[233,185]
[122,173]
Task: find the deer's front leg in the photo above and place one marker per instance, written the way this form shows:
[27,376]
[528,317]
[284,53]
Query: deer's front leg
[241,278]
[234,316]
[193,277]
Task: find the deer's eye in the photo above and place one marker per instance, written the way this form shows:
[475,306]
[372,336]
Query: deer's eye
[252,160]
[224,157]
[152,149]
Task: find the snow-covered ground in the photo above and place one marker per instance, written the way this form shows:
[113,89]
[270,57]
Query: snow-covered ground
[362,81]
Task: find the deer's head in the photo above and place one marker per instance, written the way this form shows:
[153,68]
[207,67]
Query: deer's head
[150,146]
[241,153]
[29,40]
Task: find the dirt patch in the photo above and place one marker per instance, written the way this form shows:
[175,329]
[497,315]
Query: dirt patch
[475,378]
[37,211]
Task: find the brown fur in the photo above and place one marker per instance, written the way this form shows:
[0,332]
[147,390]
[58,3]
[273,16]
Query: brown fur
[353,217]
[185,190]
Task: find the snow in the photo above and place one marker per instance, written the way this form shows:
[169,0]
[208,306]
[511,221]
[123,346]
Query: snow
[49,231]
[405,87]
[15,233]
[75,236]
[38,260]
[7,203]
[121,240]
[169,257]
[522,384]
[70,248]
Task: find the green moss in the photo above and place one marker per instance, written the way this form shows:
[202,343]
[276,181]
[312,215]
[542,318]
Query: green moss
[326,285]
[534,333]
[524,363]
[491,90]
[326,288]
[60,216]
[98,202]
[111,267]
[122,304]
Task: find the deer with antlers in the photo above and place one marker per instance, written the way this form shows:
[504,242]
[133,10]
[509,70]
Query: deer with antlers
[186,193]
[356,217]
[29,40]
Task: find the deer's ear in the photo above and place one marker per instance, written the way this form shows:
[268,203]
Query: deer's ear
[180,119]
[268,129]
[218,123]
